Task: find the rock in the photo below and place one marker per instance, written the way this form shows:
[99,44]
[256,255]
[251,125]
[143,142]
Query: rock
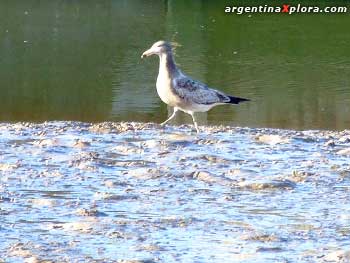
[86,166]
[84,227]
[18,250]
[175,137]
[178,140]
[110,184]
[136,261]
[81,144]
[151,144]
[300,176]
[114,197]
[211,178]
[89,212]
[43,202]
[261,238]
[330,143]
[269,249]
[272,139]
[215,159]
[32,259]
[8,167]
[274,184]
[109,127]
[206,141]
[307,139]
[127,148]
[149,247]
[144,173]
[345,151]
[100,128]
[46,142]
[344,139]
[340,256]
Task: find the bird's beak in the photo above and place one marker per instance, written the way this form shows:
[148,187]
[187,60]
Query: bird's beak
[147,53]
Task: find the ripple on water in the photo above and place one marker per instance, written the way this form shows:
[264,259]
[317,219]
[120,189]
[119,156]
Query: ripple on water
[79,192]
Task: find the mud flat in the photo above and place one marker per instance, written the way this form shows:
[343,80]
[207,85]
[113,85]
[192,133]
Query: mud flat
[136,192]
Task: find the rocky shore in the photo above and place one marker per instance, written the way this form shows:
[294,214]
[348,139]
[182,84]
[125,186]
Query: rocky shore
[137,192]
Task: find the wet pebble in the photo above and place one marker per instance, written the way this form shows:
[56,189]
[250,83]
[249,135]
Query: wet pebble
[82,226]
[151,144]
[206,141]
[301,176]
[47,142]
[127,148]
[339,256]
[330,143]
[215,159]
[149,247]
[261,237]
[269,249]
[120,127]
[136,261]
[19,250]
[211,178]
[272,139]
[268,185]
[43,202]
[9,167]
[81,144]
[345,151]
[110,183]
[89,212]
[115,197]
[144,173]
[344,139]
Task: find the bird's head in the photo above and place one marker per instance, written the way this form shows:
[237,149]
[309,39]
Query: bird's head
[158,48]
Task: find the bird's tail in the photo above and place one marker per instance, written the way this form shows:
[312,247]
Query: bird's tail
[236,100]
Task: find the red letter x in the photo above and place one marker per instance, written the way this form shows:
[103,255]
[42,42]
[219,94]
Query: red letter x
[285,9]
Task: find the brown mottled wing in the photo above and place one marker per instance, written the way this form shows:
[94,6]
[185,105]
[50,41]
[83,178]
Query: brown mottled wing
[197,92]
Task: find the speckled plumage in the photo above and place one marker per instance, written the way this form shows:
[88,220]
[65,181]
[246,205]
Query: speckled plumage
[197,92]
[181,92]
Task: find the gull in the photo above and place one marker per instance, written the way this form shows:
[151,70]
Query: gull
[180,91]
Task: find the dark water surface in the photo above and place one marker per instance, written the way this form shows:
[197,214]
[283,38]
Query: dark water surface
[80,60]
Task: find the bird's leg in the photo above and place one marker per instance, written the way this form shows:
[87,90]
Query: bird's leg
[172,116]
[194,122]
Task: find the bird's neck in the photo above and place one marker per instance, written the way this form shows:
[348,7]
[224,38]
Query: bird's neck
[167,64]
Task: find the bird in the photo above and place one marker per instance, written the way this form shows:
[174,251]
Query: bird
[180,91]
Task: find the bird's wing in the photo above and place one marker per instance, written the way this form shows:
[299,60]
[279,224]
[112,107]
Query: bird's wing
[197,92]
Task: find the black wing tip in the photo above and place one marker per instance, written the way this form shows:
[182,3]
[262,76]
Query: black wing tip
[236,100]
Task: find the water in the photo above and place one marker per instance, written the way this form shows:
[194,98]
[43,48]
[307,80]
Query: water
[80,60]
[100,193]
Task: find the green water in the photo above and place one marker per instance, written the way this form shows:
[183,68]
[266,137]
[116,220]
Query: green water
[80,60]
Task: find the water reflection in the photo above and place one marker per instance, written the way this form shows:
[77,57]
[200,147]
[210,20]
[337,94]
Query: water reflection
[81,61]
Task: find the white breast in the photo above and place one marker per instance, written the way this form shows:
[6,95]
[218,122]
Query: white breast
[164,89]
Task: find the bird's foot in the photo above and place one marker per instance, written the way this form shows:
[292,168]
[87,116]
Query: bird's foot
[164,122]
[195,129]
